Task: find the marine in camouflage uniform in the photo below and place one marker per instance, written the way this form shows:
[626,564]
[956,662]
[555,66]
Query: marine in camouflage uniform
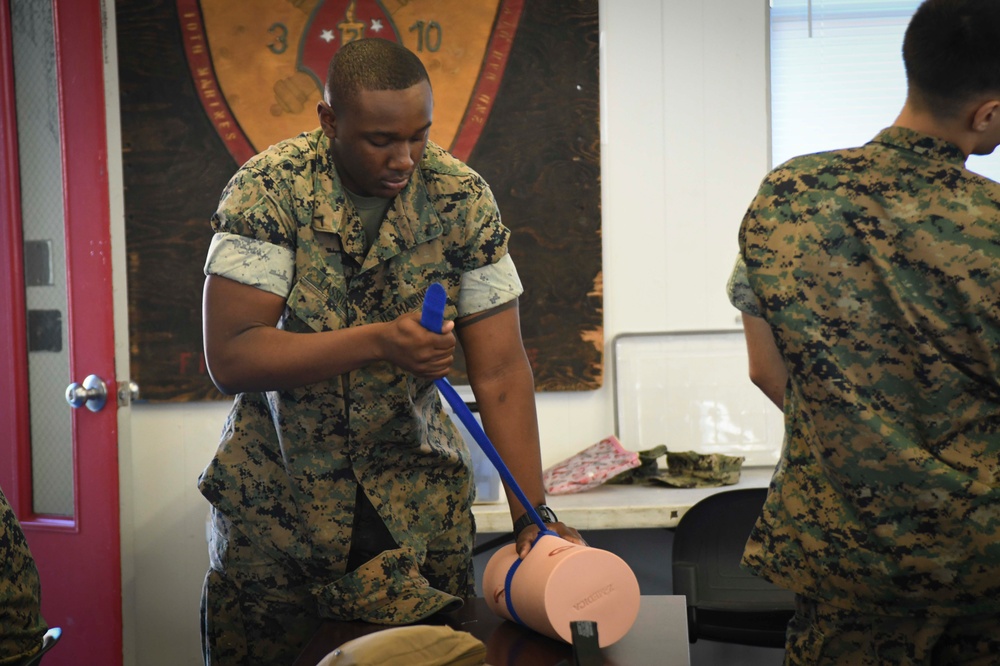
[21,625]
[348,495]
[878,271]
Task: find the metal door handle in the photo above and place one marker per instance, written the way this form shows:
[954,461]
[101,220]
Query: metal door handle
[128,392]
[93,393]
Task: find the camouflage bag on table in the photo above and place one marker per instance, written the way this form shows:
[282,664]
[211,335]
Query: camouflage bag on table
[685,469]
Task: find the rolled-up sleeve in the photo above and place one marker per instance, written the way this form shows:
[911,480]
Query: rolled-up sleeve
[739,291]
[487,287]
[251,262]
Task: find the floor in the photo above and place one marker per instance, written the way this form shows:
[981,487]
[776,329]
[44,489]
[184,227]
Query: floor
[647,552]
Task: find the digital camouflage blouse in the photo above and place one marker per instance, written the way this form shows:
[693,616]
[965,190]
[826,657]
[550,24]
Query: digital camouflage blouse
[287,466]
[878,269]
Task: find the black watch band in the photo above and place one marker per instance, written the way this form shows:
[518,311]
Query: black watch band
[544,512]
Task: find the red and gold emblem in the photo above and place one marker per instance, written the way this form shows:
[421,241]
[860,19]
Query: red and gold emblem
[259,65]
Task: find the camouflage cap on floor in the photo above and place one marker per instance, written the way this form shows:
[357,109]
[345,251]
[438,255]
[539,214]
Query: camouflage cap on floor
[387,589]
[687,469]
[418,645]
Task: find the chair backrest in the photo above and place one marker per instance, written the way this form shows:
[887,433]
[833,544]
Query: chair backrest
[49,640]
[726,602]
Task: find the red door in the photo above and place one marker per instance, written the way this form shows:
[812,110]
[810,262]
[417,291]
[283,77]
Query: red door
[58,465]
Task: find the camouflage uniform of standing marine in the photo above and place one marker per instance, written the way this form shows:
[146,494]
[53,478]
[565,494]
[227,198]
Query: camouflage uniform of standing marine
[878,270]
[21,625]
[283,483]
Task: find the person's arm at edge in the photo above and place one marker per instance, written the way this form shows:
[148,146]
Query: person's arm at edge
[767,369]
[501,380]
[245,352]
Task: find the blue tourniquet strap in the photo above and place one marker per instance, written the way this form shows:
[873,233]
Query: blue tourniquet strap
[432,318]
[509,580]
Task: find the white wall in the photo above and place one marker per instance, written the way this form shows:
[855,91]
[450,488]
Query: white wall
[684,145]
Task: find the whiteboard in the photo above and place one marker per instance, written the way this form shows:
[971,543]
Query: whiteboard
[692,392]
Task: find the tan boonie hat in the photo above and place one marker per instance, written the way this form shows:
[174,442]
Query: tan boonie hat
[387,589]
[687,469]
[417,645]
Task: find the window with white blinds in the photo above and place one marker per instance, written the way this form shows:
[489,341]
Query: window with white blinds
[837,75]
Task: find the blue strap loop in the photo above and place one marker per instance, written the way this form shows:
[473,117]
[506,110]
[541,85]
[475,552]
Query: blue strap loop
[509,580]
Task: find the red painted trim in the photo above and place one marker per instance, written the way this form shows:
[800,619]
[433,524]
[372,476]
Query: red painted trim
[79,37]
[490,76]
[79,559]
[199,60]
[85,172]
[86,208]
[15,477]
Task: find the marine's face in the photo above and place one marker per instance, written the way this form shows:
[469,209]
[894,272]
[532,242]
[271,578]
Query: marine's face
[378,138]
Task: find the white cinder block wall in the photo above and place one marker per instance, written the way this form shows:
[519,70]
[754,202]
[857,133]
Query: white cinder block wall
[684,132]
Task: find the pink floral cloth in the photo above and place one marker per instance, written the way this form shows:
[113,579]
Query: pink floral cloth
[589,468]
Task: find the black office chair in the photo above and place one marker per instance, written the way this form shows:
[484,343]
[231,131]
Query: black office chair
[49,640]
[725,602]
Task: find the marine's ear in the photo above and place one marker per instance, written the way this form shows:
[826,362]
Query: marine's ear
[327,119]
[985,115]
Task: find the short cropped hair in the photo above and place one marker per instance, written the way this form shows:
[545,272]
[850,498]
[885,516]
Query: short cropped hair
[952,53]
[370,64]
